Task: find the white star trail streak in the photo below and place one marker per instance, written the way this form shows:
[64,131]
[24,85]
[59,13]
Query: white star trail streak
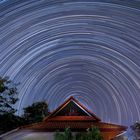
[89,49]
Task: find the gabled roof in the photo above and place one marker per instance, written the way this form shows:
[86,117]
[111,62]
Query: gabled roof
[72,100]
[55,121]
[76,126]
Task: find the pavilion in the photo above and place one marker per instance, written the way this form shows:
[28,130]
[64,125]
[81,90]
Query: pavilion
[74,115]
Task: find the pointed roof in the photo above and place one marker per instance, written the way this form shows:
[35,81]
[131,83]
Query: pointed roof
[71,100]
[77,122]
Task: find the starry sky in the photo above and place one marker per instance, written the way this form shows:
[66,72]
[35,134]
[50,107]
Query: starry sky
[89,49]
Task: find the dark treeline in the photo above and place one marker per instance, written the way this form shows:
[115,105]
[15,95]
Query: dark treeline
[8,98]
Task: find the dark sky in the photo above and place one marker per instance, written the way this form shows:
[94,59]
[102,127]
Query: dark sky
[89,49]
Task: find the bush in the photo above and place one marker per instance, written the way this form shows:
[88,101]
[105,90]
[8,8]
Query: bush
[91,134]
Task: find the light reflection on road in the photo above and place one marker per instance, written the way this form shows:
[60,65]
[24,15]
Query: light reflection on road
[28,135]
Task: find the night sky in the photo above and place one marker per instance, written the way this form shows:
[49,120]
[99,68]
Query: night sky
[89,49]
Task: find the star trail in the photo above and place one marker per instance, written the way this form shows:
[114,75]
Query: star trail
[89,49]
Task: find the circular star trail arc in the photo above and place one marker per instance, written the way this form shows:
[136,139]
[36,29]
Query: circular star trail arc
[86,49]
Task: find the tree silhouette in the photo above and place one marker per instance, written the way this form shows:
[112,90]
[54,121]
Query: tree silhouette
[36,112]
[8,96]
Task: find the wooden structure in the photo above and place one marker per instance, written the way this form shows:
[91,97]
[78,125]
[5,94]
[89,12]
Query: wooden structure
[74,115]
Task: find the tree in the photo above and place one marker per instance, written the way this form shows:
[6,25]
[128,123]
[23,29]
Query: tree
[36,112]
[92,133]
[9,121]
[67,134]
[133,131]
[8,96]
[59,136]
[136,126]
[95,133]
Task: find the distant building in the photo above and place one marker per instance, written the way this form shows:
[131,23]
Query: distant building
[74,115]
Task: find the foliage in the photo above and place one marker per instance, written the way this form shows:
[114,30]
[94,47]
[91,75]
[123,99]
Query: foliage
[136,126]
[133,131]
[95,133]
[82,136]
[91,134]
[9,121]
[36,112]
[67,134]
[8,96]
[59,136]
